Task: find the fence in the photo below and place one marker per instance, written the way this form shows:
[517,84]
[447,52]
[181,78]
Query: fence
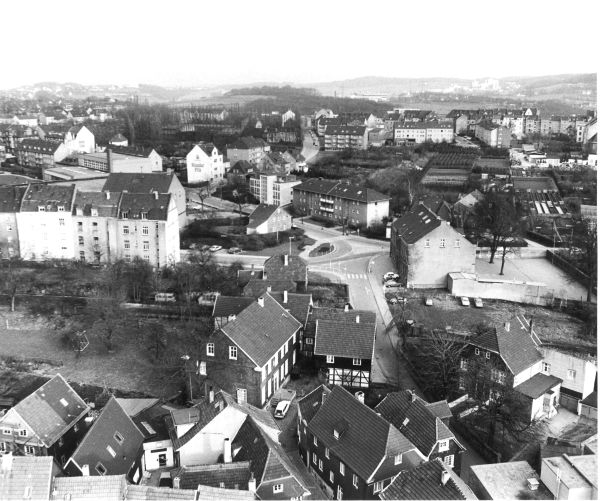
[568,267]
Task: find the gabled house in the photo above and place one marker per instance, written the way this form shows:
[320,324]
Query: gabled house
[508,357]
[424,249]
[344,344]
[286,267]
[419,423]
[247,148]
[49,422]
[112,446]
[79,139]
[40,153]
[10,201]
[252,355]
[352,452]
[26,477]
[268,219]
[204,162]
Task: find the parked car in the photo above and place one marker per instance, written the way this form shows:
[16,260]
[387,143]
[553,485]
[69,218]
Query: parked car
[428,301]
[164,297]
[392,300]
[390,275]
[465,301]
[234,250]
[392,284]
[215,248]
[478,302]
[282,408]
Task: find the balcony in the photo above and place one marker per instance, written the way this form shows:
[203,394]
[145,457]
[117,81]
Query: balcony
[325,201]
[326,209]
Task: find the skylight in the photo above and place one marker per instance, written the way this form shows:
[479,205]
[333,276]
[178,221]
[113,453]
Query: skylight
[149,428]
[64,402]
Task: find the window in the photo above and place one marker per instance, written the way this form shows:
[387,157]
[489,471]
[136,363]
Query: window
[80,226]
[202,368]
[94,212]
[309,340]
[125,230]
[41,208]
[463,363]
[331,477]
[427,243]
[449,460]
[111,451]
[314,458]
[461,382]
[356,361]
[330,359]
[571,374]
[340,492]
[210,349]
[320,464]
[342,468]
[443,243]
[127,244]
[61,208]
[80,240]
[64,402]
[398,459]
[118,437]
[22,432]
[476,351]
[315,441]
[278,488]
[125,214]
[29,450]
[6,431]
[233,353]
[144,230]
[144,215]
[2,446]
[146,245]
[355,480]
[327,452]
[101,469]
[546,367]
[378,487]
[61,222]
[487,355]
[76,428]
[444,445]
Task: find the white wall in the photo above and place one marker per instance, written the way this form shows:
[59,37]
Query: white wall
[151,458]
[561,363]
[527,374]
[375,213]
[45,235]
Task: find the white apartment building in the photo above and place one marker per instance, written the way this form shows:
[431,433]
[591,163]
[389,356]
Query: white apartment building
[205,163]
[79,139]
[271,189]
[419,132]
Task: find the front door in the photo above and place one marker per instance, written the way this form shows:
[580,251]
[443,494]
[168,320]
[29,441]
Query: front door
[162,460]
[340,493]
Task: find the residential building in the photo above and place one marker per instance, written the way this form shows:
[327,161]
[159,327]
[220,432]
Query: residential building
[273,189]
[40,153]
[419,423]
[494,135]
[108,487]
[343,343]
[588,407]
[351,451]
[432,480]
[155,182]
[12,135]
[45,222]
[340,137]
[287,116]
[80,139]
[10,202]
[513,480]
[240,171]
[48,422]
[577,371]
[247,148]
[341,202]
[227,308]
[26,477]
[419,132]
[251,356]
[268,219]
[111,446]
[571,477]
[286,268]
[506,359]
[205,163]
[118,140]
[424,249]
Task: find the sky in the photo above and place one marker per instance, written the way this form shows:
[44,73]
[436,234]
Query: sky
[212,42]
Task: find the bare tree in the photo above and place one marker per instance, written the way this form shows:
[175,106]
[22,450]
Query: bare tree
[11,279]
[495,220]
[585,247]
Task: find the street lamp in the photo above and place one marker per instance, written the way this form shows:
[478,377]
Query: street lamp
[291,238]
[185,358]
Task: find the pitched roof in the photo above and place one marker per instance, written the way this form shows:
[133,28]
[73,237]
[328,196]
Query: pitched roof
[311,403]
[51,410]
[440,409]
[368,438]
[246,143]
[591,400]
[260,331]
[147,493]
[423,428]
[110,427]
[355,340]
[155,207]
[341,189]
[424,482]
[133,406]
[242,166]
[276,269]
[138,183]
[514,345]
[88,200]
[345,130]
[107,488]
[224,475]
[10,198]
[416,223]
[51,196]
[230,305]
[26,472]
[39,146]
[118,138]
[261,214]
[537,385]
[151,422]
[297,304]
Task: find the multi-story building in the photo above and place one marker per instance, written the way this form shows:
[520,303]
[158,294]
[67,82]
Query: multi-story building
[40,153]
[341,202]
[272,189]
[424,249]
[419,132]
[340,137]
[45,222]
[79,139]
[247,148]
[122,159]
[351,451]
[205,163]
[10,201]
[494,135]
[251,356]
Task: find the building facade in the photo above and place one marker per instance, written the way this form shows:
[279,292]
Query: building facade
[340,137]
[204,162]
[419,132]
[272,189]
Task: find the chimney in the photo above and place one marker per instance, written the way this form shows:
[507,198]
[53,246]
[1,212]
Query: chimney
[413,395]
[211,395]
[286,260]
[445,476]
[156,195]
[261,302]
[323,396]
[252,484]
[507,326]
[285,297]
[358,319]
[346,308]
[7,461]
[227,450]
[85,470]
[107,195]
[360,396]
[269,288]
[109,159]
[176,483]
[531,326]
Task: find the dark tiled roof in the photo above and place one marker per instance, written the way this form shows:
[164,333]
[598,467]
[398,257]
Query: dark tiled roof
[440,409]
[230,305]
[355,340]
[537,385]
[109,488]
[591,400]
[247,143]
[514,345]
[258,287]
[156,207]
[260,416]
[224,475]
[345,130]
[244,276]
[260,331]
[339,316]
[311,403]
[151,422]
[39,145]
[423,428]
[276,269]
[34,472]
[297,304]
[242,167]
[368,438]
[10,198]
[138,183]
[133,151]
[416,223]
[118,138]
[261,214]
[88,200]
[341,189]
[148,493]
[424,482]
[45,413]
[51,196]
[93,448]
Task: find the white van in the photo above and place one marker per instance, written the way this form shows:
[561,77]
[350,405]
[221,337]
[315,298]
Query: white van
[164,297]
